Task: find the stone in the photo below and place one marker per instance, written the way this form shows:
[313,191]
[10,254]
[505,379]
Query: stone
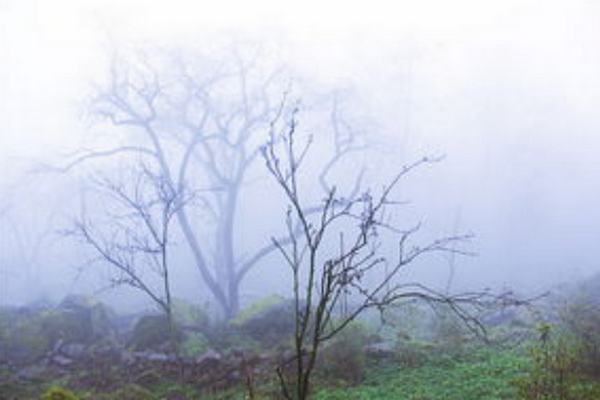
[61,361]
[269,321]
[150,332]
[73,350]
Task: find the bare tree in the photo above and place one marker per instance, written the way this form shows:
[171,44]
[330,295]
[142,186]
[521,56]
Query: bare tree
[336,251]
[133,236]
[201,122]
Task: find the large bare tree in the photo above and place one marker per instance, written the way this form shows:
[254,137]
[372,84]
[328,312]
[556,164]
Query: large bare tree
[201,122]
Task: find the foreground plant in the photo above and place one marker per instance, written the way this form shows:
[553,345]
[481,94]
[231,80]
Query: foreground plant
[553,374]
[335,250]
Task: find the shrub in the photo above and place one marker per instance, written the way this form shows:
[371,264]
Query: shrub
[23,337]
[190,315]
[343,358]
[412,354]
[552,374]
[194,344]
[404,321]
[151,331]
[582,322]
[58,393]
[448,330]
[227,337]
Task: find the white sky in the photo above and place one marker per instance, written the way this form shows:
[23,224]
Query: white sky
[50,49]
[509,89]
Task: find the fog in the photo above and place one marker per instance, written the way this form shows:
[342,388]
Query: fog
[507,91]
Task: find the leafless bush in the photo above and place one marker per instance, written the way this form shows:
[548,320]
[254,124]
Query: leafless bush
[334,250]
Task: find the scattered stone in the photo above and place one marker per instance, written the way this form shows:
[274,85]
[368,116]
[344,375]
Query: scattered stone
[31,372]
[61,361]
[209,357]
[151,356]
[73,350]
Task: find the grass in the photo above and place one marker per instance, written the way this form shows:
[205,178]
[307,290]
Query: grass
[486,374]
[474,373]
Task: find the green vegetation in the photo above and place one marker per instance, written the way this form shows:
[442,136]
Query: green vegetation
[256,308]
[426,359]
[150,331]
[189,314]
[553,371]
[343,359]
[58,393]
[481,374]
[194,344]
[269,321]
[131,391]
[539,370]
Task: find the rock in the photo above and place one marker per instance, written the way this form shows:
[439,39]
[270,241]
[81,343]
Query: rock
[89,316]
[210,357]
[150,356]
[106,352]
[23,338]
[226,337]
[190,316]
[29,334]
[61,361]
[150,332]
[269,321]
[32,372]
[73,350]
[194,344]
[127,358]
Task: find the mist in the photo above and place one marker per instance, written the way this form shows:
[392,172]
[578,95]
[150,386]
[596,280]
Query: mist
[299,200]
[506,92]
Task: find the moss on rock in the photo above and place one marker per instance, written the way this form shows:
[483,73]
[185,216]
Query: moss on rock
[150,331]
[269,321]
[190,315]
[58,393]
[194,344]
[23,339]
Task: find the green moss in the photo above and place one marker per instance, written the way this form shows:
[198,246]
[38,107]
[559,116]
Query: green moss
[23,338]
[91,317]
[58,393]
[26,334]
[189,314]
[150,331]
[66,325]
[269,321]
[256,308]
[194,344]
